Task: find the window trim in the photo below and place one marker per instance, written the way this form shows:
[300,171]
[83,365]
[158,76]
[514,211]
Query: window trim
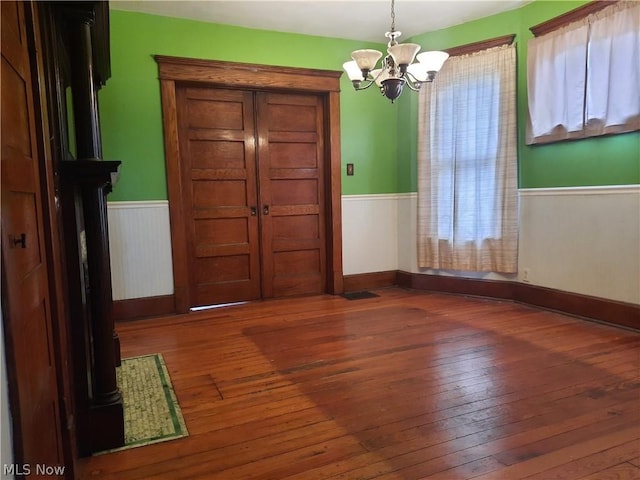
[570,17]
[474,47]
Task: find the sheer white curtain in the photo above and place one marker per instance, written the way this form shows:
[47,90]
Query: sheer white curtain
[556,69]
[584,79]
[613,72]
[467,165]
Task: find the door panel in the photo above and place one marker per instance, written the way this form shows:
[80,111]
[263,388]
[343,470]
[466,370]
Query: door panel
[26,301]
[291,178]
[293,155]
[288,192]
[297,262]
[217,148]
[289,227]
[218,268]
[223,192]
[217,154]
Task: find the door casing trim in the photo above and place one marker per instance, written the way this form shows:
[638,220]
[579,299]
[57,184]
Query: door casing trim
[218,74]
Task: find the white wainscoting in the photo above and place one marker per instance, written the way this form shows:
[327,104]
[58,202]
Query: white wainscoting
[140,247]
[140,242]
[369,233]
[584,240]
[407,228]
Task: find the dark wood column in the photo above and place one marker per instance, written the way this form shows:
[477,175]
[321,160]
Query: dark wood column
[99,409]
[85,99]
[81,31]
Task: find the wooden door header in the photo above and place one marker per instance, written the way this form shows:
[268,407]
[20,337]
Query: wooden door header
[247,75]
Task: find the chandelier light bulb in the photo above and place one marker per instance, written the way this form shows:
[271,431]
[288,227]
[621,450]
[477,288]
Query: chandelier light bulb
[404,53]
[432,61]
[366,59]
[418,71]
[353,71]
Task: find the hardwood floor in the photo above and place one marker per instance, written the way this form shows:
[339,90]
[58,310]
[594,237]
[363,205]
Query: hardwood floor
[404,386]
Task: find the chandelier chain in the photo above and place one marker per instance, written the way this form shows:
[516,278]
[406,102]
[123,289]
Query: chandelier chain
[393,16]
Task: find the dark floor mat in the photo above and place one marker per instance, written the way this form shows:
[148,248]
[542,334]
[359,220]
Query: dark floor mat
[359,295]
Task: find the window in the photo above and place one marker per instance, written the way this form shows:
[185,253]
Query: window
[583,79]
[467,164]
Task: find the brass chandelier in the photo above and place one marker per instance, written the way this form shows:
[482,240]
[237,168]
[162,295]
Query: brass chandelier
[397,67]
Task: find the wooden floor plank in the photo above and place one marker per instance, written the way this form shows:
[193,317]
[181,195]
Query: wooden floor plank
[407,385]
[594,447]
[591,464]
[476,447]
[564,439]
[622,471]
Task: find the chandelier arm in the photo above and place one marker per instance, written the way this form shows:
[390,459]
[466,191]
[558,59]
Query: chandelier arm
[382,70]
[412,82]
[359,86]
[415,86]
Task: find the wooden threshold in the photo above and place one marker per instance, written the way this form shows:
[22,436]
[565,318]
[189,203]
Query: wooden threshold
[406,385]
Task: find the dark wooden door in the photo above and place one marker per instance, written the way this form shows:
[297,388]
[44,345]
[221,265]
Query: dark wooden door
[253,182]
[217,146]
[25,289]
[291,178]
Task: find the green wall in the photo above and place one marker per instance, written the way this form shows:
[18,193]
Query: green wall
[378,137]
[612,160]
[130,109]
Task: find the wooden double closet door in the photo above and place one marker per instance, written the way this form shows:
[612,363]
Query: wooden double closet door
[253,182]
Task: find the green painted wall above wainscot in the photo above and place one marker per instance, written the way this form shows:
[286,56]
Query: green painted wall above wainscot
[607,160]
[377,137]
[131,114]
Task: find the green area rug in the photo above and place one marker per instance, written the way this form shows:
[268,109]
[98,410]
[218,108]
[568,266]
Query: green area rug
[151,411]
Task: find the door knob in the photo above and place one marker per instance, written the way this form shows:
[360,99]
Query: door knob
[254,211]
[19,240]
[265,210]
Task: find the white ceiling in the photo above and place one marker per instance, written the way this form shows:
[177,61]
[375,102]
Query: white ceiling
[365,20]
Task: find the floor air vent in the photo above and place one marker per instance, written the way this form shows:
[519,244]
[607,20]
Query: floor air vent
[359,295]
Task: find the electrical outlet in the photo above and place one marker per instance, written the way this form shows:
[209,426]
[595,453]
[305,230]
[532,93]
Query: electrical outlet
[526,275]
